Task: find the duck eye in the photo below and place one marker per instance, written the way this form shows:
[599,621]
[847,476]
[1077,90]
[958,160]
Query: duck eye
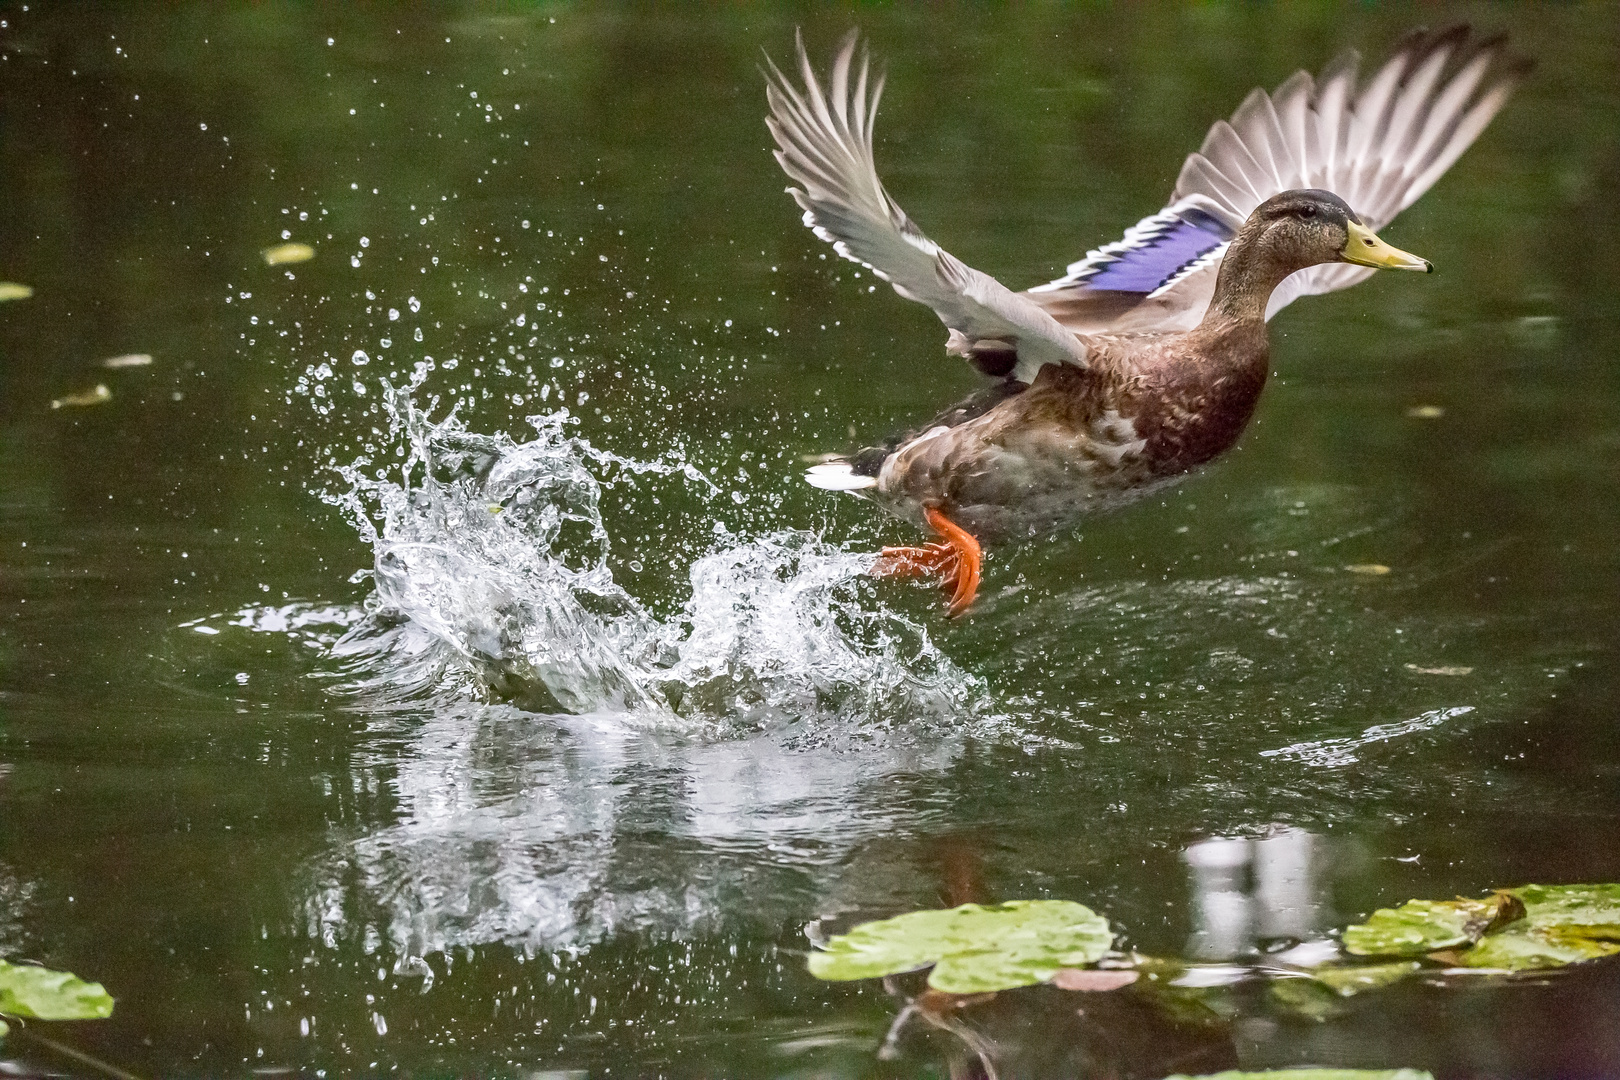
[1307,212]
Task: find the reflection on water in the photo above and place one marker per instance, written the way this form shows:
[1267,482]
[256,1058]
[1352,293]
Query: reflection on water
[1042,1032]
[1249,893]
[553,834]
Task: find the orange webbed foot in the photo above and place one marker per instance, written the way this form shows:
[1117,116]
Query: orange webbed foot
[957,560]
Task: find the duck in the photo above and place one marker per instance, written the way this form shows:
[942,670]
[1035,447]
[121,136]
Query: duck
[1147,358]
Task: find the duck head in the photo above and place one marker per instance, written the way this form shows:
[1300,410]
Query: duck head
[1292,231]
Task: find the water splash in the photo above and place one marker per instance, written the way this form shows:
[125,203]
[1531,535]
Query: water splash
[492,582]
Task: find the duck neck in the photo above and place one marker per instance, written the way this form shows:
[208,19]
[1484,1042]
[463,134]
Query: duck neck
[1243,286]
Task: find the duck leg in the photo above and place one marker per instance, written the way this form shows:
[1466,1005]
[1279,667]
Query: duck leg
[956,559]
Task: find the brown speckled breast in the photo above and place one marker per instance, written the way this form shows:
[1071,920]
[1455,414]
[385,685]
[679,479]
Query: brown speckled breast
[1078,441]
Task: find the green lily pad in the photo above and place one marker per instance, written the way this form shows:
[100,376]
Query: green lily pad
[1315,1074]
[42,994]
[1591,911]
[1530,927]
[1530,949]
[1414,928]
[1424,926]
[974,949]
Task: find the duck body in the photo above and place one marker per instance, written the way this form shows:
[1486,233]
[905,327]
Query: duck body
[1149,357]
[1081,441]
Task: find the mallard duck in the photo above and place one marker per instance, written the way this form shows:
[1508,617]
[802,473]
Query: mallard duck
[1147,358]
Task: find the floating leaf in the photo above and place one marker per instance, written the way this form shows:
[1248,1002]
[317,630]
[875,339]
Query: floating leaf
[1591,911]
[287,253]
[1529,949]
[1414,928]
[1425,412]
[973,948]
[42,994]
[1347,980]
[1371,569]
[1314,1074]
[88,397]
[12,290]
[127,360]
[1533,926]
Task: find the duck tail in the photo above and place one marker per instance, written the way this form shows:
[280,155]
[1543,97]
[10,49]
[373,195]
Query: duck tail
[838,476]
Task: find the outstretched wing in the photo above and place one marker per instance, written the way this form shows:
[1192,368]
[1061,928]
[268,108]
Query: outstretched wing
[824,144]
[1378,148]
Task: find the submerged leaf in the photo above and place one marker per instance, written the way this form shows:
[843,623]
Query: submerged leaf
[1371,569]
[13,290]
[1305,999]
[42,994]
[287,253]
[974,948]
[88,397]
[1347,980]
[1425,412]
[1456,670]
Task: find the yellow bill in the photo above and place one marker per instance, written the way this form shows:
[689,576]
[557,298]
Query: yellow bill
[1365,249]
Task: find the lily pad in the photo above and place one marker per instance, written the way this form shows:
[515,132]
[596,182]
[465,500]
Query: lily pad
[1424,926]
[1414,928]
[974,948]
[1590,911]
[42,994]
[1530,949]
[1530,927]
[1315,1074]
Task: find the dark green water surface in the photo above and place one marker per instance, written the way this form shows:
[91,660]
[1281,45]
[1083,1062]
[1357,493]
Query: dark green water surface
[416,852]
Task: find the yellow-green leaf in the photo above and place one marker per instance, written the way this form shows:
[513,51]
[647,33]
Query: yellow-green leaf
[42,994]
[13,290]
[1591,911]
[1529,949]
[1414,928]
[96,396]
[287,253]
[974,948]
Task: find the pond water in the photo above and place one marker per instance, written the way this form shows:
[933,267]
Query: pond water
[432,662]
